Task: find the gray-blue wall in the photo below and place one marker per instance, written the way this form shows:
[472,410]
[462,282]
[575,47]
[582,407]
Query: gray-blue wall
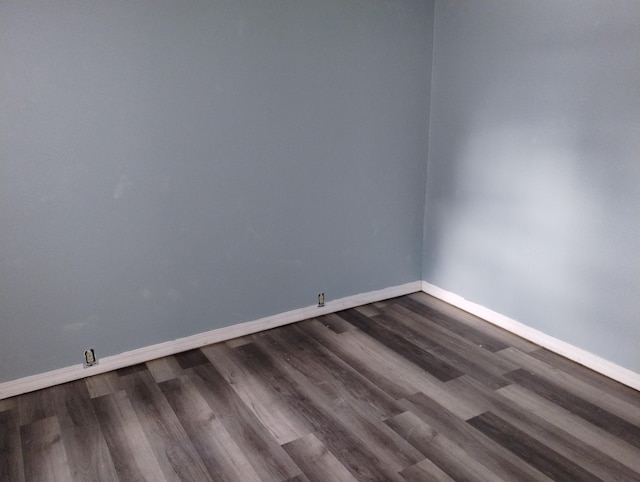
[533,182]
[171,167]
[167,168]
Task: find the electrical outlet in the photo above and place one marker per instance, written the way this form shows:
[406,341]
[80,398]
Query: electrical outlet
[320,300]
[90,358]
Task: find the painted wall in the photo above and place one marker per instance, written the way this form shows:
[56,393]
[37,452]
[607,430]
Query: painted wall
[533,182]
[167,168]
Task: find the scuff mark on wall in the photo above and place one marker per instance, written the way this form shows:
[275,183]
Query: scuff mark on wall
[124,184]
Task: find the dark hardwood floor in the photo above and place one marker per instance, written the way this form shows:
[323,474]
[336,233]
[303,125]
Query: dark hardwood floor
[408,389]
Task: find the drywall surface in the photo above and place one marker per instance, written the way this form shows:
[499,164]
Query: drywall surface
[533,179]
[167,168]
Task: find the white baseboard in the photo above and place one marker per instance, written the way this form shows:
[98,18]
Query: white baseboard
[141,355]
[578,355]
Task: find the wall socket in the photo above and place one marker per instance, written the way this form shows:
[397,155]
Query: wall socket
[320,300]
[90,358]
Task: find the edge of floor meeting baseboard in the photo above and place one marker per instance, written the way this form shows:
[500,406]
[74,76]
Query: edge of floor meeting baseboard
[567,350]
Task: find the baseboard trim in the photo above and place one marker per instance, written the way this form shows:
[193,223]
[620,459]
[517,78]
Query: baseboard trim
[145,354]
[148,353]
[578,355]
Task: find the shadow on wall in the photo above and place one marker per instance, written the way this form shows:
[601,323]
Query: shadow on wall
[532,187]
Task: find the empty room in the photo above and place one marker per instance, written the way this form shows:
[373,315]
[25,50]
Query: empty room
[319,240]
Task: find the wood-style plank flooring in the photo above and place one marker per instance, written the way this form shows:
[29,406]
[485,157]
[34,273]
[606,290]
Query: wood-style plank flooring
[410,389]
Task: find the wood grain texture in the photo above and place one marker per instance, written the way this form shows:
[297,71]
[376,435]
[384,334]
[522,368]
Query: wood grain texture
[408,349]
[11,463]
[172,446]
[358,441]
[591,378]
[164,369]
[371,362]
[398,368]
[327,372]
[335,323]
[529,449]
[129,446]
[264,453]
[592,393]
[350,409]
[448,456]
[444,337]
[593,448]
[8,404]
[425,470]
[495,457]
[282,424]
[590,412]
[485,340]
[316,461]
[43,451]
[440,347]
[409,389]
[35,406]
[190,359]
[470,321]
[219,452]
[88,454]
[529,405]
[103,384]
[235,342]
[589,456]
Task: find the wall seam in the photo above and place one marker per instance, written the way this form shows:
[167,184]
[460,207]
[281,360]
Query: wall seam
[429,120]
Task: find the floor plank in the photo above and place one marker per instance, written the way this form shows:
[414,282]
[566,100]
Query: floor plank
[448,456]
[590,412]
[317,463]
[103,384]
[466,363]
[395,367]
[368,310]
[352,437]
[444,337]
[595,449]
[495,457]
[406,389]
[45,458]
[8,404]
[335,323]
[264,453]
[172,446]
[11,463]
[35,406]
[591,378]
[496,334]
[529,404]
[281,423]
[403,347]
[425,470]
[590,393]
[190,359]
[130,450]
[482,339]
[164,369]
[87,452]
[529,449]
[222,456]
[326,371]
[370,363]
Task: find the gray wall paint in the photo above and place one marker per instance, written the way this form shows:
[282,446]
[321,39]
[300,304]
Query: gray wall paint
[533,180]
[168,168]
